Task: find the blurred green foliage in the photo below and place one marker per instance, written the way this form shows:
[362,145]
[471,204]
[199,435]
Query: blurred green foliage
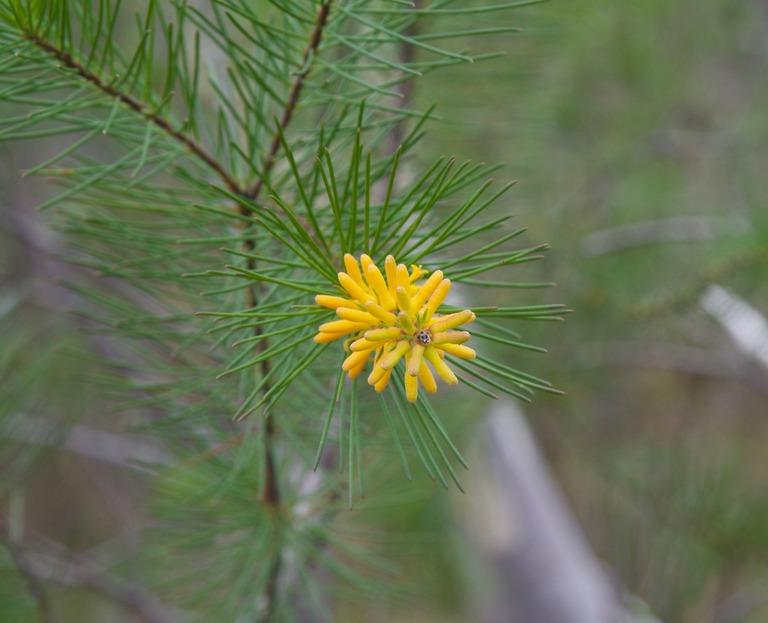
[652,113]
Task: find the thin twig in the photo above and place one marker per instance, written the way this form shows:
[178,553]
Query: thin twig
[75,571]
[293,98]
[33,582]
[68,61]
[406,56]
[271,496]
[271,590]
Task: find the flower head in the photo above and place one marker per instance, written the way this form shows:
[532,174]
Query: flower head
[387,317]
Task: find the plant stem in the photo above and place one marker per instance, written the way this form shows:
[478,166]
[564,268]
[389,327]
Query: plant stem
[271,495]
[68,61]
[33,583]
[293,98]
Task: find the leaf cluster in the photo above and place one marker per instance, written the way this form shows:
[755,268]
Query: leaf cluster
[212,165]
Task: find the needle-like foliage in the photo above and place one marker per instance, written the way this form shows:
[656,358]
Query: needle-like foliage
[214,162]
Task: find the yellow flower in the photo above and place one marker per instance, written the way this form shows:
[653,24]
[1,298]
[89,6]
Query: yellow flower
[388,317]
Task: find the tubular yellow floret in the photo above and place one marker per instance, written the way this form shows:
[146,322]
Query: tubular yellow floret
[438,296]
[381,384]
[353,269]
[354,289]
[451,337]
[333,302]
[380,335]
[365,263]
[391,358]
[356,315]
[390,268]
[427,289]
[417,272]
[411,387]
[323,338]
[458,350]
[362,344]
[377,374]
[404,302]
[443,371]
[416,359]
[451,321]
[355,372]
[379,312]
[376,279]
[342,326]
[355,359]
[426,378]
[403,278]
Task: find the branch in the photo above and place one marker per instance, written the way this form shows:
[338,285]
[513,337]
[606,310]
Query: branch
[293,98]
[271,495]
[68,61]
[543,569]
[67,569]
[122,450]
[27,571]
[674,229]
[747,327]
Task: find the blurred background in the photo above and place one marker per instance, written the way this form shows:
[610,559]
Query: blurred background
[638,134]
[639,137]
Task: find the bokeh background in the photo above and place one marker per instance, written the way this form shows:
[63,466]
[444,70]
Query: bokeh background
[639,137]
[638,134]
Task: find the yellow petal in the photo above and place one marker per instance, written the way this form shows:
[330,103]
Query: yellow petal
[438,296]
[379,335]
[427,380]
[392,357]
[353,269]
[322,338]
[363,344]
[426,290]
[355,372]
[390,267]
[376,279]
[404,301]
[365,262]
[415,360]
[377,374]
[450,337]
[403,278]
[411,387]
[458,350]
[334,302]
[443,371]
[356,315]
[379,312]
[355,359]
[417,272]
[354,289]
[382,382]
[343,326]
[451,321]
[407,322]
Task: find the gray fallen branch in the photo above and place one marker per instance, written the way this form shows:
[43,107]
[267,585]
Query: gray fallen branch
[95,444]
[745,325]
[673,229]
[542,565]
[35,586]
[78,572]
